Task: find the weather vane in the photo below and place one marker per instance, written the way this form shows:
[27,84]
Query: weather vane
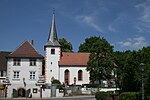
[53,10]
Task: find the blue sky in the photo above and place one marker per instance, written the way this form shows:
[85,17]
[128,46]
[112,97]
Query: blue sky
[124,23]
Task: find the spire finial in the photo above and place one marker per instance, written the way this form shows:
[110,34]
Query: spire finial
[53,10]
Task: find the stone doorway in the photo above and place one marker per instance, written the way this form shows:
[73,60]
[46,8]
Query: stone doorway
[21,92]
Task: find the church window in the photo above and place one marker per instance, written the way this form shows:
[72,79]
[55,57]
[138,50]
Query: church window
[32,75]
[16,75]
[66,76]
[32,62]
[52,51]
[80,75]
[16,62]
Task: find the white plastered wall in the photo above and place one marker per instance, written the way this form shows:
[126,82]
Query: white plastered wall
[51,63]
[24,74]
[74,73]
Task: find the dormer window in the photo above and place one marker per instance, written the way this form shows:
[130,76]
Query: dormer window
[32,62]
[53,51]
[16,62]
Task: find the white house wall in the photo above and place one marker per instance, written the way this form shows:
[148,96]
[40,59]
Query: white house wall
[74,73]
[24,73]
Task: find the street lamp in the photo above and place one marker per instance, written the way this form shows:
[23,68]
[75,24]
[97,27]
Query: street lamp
[40,83]
[142,69]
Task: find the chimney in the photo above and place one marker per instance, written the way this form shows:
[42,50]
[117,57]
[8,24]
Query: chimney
[32,42]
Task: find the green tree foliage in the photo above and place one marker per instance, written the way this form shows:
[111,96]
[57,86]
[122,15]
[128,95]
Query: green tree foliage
[56,82]
[119,58]
[90,44]
[145,58]
[130,69]
[101,62]
[129,96]
[126,64]
[66,46]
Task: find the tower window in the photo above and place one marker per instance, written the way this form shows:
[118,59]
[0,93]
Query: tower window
[52,51]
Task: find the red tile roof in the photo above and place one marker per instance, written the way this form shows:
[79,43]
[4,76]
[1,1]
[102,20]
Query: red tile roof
[74,59]
[25,50]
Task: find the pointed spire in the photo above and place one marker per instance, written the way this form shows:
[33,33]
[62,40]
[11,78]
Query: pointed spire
[53,39]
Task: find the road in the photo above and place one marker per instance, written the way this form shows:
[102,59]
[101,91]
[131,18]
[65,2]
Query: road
[62,98]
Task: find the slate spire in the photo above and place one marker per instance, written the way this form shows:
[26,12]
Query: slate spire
[52,38]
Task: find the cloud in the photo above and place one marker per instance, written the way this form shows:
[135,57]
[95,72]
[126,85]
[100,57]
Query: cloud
[136,42]
[88,20]
[143,23]
[111,28]
[118,22]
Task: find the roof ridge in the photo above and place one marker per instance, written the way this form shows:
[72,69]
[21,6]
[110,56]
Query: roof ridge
[18,47]
[25,49]
[34,48]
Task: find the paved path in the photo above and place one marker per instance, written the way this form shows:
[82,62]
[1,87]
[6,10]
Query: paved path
[56,98]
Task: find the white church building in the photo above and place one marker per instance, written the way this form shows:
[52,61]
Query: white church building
[67,67]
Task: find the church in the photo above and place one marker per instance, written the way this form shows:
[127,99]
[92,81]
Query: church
[67,67]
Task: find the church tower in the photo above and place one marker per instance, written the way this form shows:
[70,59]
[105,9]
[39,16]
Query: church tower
[52,54]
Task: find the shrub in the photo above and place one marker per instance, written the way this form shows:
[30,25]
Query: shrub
[101,95]
[56,82]
[128,96]
[148,98]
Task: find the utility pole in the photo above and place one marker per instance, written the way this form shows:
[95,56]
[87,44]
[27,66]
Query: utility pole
[142,70]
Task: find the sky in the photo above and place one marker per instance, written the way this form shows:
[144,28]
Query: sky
[125,24]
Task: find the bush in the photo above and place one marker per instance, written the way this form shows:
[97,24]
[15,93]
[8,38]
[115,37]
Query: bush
[129,96]
[148,98]
[101,95]
[56,82]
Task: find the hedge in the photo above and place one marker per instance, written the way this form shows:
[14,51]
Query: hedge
[101,95]
[129,96]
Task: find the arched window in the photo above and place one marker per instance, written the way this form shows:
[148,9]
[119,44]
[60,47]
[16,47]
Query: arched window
[66,74]
[80,75]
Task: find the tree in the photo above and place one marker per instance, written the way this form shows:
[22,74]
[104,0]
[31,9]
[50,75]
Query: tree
[131,71]
[89,44]
[101,61]
[119,58]
[145,58]
[66,46]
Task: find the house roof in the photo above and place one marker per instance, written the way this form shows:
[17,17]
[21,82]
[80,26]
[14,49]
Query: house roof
[3,60]
[25,50]
[74,59]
